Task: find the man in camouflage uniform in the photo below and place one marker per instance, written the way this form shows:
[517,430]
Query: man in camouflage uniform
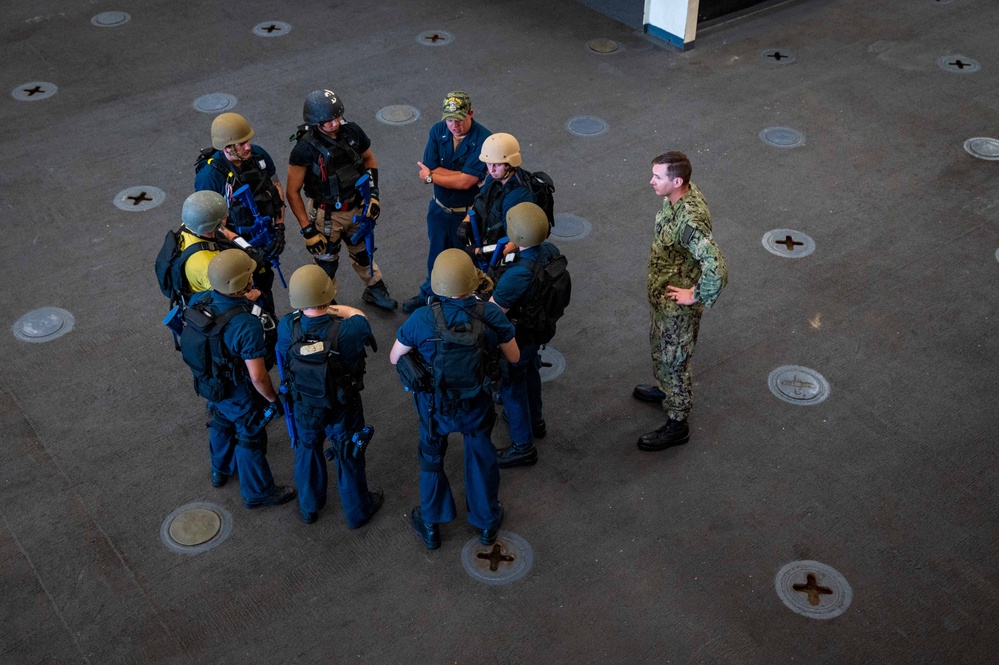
[686,273]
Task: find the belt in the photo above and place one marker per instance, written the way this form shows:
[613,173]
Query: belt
[446,209]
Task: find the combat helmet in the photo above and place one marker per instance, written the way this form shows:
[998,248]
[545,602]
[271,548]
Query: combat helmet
[230,128]
[321,106]
[230,271]
[501,149]
[454,274]
[203,212]
[527,224]
[310,286]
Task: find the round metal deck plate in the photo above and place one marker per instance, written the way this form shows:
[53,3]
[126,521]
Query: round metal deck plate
[958,64]
[505,561]
[435,38]
[195,528]
[570,227]
[272,29]
[813,589]
[215,102]
[603,46]
[552,363]
[782,137]
[139,198]
[398,114]
[798,385]
[110,19]
[42,325]
[788,243]
[983,147]
[778,56]
[586,125]
[34,91]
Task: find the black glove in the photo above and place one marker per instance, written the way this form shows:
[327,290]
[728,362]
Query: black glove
[273,410]
[315,241]
[277,245]
[465,233]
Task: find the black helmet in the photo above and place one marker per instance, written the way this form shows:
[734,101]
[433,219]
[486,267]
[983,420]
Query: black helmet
[321,106]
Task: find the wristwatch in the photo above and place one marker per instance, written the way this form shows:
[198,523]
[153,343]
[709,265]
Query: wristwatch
[430,178]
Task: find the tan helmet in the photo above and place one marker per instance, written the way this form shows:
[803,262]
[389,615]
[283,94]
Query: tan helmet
[454,274]
[501,149]
[310,286]
[228,129]
[230,271]
[203,212]
[527,224]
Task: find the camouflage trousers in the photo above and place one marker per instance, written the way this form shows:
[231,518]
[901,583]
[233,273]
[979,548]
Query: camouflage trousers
[672,337]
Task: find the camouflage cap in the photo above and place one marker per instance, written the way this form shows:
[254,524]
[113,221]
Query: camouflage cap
[456,105]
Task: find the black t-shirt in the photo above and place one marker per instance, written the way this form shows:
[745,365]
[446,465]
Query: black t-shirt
[351,142]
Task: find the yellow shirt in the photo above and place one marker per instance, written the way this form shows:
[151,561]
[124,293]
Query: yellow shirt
[196,267]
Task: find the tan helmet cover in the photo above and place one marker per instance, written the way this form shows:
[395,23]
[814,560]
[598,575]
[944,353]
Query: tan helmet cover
[228,129]
[501,149]
[454,274]
[310,286]
[527,224]
[230,271]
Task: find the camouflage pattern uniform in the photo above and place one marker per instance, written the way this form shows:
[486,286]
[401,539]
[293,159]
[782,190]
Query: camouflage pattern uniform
[684,255]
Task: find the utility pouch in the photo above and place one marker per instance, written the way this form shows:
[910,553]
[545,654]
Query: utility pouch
[413,373]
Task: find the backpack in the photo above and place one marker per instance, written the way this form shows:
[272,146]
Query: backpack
[543,188]
[170,265]
[315,374]
[215,369]
[552,292]
[463,366]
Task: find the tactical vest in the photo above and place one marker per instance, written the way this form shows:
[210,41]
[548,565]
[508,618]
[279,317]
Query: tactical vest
[463,365]
[216,371]
[488,207]
[315,375]
[547,297]
[254,174]
[337,167]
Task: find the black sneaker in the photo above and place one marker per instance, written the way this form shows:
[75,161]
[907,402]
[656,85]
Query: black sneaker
[378,295]
[673,433]
[413,304]
[280,494]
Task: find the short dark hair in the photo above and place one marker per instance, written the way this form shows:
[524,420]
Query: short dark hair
[677,165]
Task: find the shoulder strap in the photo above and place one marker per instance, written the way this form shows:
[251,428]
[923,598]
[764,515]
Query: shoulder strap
[228,315]
[191,250]
[333,336]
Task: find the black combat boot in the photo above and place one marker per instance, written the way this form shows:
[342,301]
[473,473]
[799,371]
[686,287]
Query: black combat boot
[413,304]
[378,295]
[673,433]
[526,455]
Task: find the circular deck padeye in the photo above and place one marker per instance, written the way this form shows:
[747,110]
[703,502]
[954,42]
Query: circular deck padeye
[813,589]
[435,38]
[958,64]
[798,385]
[214,102]
[272,29]
[586,125]
[983,147]
[778,56]
[110,19]
[139,198]
[603,46]
[782,137]
[34,91]
[195,528]
[507,560]
[788,243]
[552,363]
[43,325]
[398,114]
[570,227]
